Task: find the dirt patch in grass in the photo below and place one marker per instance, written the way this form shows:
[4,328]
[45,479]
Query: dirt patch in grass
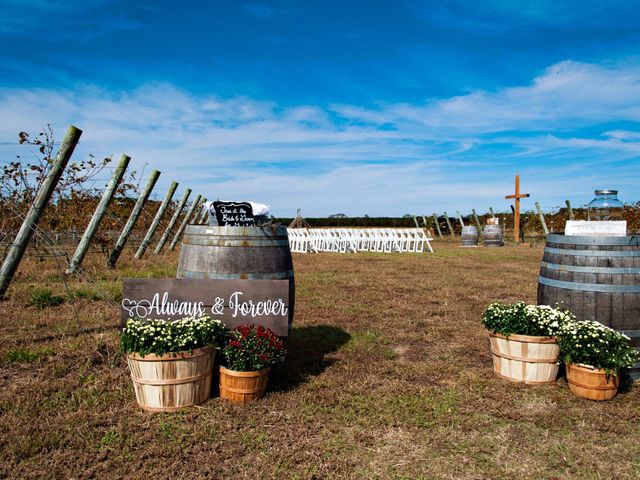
[389,375]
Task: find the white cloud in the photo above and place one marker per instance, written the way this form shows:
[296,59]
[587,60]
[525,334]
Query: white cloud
[456,153]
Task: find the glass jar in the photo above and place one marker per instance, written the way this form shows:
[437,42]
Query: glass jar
[606,206]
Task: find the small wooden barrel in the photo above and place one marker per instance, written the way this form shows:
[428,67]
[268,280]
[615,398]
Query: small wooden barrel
[166,383]
[492,236]
[525,359]
[469,236]
[237,253]
[596,278]
[591,383]
[243,387]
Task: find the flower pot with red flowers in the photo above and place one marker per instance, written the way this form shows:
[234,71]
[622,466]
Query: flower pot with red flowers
[248,355]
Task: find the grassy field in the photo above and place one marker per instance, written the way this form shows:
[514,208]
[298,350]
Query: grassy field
[389,375]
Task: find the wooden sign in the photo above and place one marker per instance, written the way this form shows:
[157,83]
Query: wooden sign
[234,302]
[234,214]
[596,229]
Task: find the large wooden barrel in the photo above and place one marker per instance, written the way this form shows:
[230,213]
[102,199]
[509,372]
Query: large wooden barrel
[469,236]
[492,236]
[167,383]
[596,278]
[237,253]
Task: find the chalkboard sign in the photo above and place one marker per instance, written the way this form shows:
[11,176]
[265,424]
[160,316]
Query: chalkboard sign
[234,302]
[233,214]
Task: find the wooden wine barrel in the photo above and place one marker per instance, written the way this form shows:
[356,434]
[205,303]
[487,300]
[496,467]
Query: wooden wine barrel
[469,236]
[165,383]
[492,236]
[237,253]
[596,278]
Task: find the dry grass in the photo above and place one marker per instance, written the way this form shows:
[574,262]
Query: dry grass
[389,376]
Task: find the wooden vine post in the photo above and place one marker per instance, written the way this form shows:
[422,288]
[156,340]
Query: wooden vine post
[516,210]
[435,220]
[133,218]
[542,220]
[569,209]
[446,217]
[415,220]
[493,215]
[183,225]
[460,218]
[475,216]
[172,222]
[98,215]
[156,220]
[21,242]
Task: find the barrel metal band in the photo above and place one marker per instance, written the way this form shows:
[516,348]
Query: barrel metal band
[633,240]
[208,241]
[577,269]
[589,287]
[594,253]
[236,276]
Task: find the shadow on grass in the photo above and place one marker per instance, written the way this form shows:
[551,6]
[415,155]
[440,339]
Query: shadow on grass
[307,348]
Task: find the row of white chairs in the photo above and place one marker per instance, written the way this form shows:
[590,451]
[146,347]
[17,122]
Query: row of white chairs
[344,240]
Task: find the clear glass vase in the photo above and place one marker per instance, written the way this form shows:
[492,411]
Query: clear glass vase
[606,206]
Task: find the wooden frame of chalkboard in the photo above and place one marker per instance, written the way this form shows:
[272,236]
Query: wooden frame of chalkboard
[233,214]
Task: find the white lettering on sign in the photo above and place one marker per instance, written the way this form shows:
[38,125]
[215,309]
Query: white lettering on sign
[596,229]
[257,309]
[163,306]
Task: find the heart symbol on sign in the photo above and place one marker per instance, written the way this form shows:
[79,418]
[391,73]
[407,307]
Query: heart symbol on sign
[142,308]
[128,305]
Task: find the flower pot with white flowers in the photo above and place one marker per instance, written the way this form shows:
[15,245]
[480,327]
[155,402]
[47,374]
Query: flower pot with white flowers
[248,355]
[594,354]
[523,343]
[171,362]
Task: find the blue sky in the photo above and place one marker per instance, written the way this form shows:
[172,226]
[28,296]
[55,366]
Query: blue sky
[376,107]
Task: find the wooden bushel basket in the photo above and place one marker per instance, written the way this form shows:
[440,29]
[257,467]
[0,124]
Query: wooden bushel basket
[525,359]
[167,383]
[591,383]
[243,387]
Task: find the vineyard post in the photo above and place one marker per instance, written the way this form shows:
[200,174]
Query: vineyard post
[205,220]
[569,209]
[183,225]
[98,215]
[435,220]
[475,216]
[21,241]
[172,222]
[542,221]
[203,214]
[460,218]
[156,220]
[133,218]
[493,215]
[446,217]
[415,220]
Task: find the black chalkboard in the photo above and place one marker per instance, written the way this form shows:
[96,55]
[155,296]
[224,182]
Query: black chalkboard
[233,214]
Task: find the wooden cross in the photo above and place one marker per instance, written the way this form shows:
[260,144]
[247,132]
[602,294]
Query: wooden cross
[516,212]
